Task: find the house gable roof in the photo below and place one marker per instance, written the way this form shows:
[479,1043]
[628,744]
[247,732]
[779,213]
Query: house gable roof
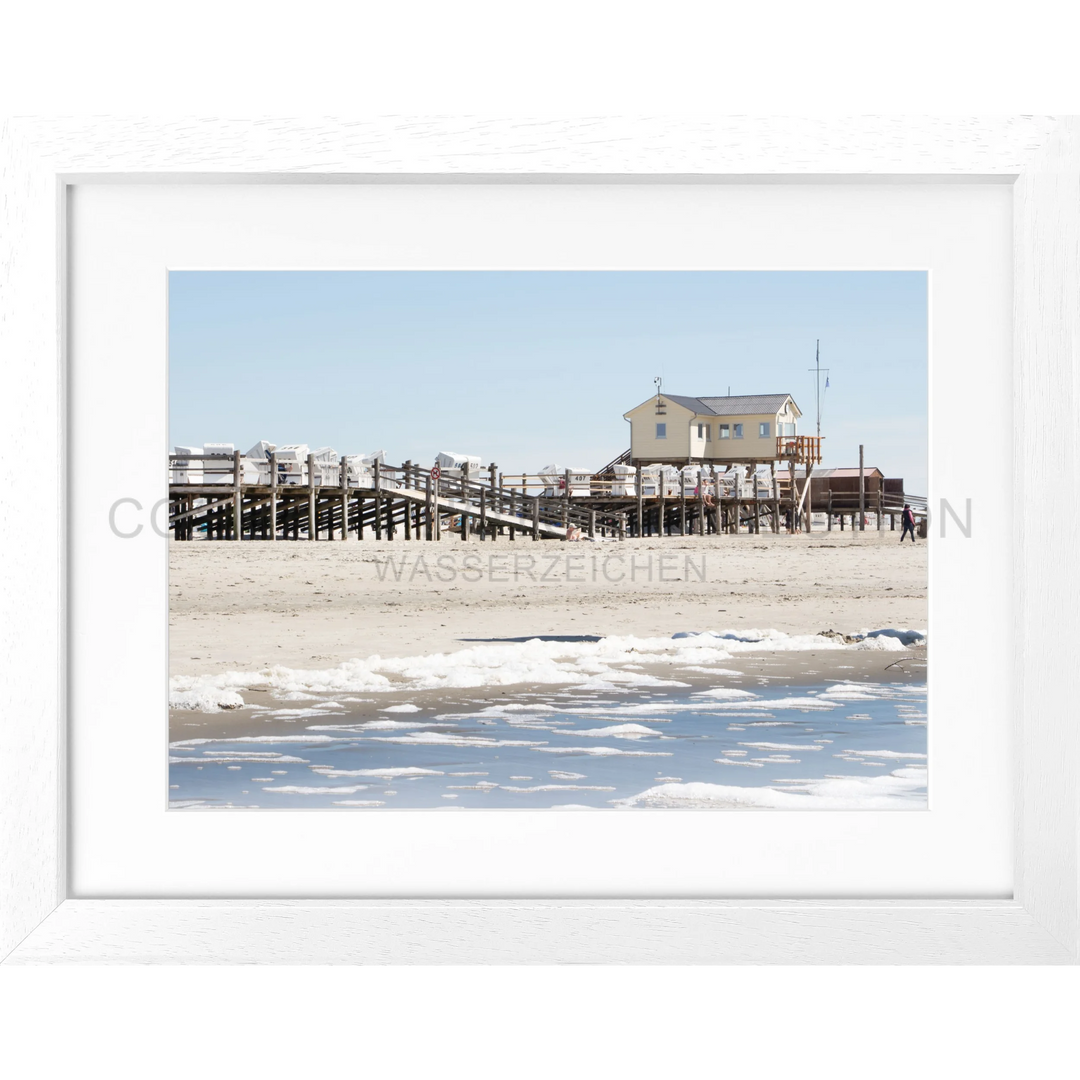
[745,404]
[691,404]
[735,405]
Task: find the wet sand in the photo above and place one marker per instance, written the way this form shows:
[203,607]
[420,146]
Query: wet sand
[245,606]
[792,669]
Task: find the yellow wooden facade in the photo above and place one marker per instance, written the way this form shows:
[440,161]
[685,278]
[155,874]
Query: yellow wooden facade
[668,429]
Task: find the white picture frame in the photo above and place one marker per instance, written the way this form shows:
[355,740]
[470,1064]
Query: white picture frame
[39,923]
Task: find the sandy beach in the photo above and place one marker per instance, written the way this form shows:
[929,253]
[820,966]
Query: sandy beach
[333,651]
[243,606]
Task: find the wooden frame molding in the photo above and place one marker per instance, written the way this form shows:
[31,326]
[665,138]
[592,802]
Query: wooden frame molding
[1038,156]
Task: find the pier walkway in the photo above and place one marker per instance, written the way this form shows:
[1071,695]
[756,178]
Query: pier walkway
[229,497]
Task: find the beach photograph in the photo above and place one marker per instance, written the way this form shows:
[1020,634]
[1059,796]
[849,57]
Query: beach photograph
[588,540]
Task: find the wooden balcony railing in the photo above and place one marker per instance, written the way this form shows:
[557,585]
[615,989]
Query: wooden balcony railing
[800,449]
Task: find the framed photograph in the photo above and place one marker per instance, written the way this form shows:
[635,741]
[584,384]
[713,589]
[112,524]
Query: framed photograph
[507,634]
[437,547]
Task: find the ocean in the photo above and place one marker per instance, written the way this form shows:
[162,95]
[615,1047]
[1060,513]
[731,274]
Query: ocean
[690,734]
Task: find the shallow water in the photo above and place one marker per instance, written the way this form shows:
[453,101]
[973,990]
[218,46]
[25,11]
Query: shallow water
[578,747]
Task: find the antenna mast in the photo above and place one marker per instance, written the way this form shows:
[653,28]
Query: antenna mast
[817,369]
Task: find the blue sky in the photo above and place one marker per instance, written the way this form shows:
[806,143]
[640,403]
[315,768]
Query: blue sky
[529,368]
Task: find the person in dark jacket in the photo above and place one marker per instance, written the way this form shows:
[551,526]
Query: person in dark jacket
[908,518]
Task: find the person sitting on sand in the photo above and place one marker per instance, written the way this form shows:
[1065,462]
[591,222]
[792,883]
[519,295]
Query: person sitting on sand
[908,519]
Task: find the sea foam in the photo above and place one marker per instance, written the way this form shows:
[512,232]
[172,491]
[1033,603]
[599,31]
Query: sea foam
[606,663]
[903,789]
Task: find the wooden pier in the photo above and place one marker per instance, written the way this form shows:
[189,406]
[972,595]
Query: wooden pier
[215,502]
[397,502]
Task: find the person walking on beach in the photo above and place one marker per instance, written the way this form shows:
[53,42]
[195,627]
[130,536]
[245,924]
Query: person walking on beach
[908,518]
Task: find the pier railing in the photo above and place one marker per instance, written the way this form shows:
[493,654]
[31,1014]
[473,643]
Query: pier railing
[223,496]
[218,496]
[799,449]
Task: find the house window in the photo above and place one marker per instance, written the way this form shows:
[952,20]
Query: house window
[708,432]
[725,431]
[738,431]
[661,431]
[787,430]
[701,431]
[763,430]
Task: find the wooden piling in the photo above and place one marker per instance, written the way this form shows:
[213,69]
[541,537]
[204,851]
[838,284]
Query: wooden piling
[273,495]
[465,501]
[238,497]
[640,502]
[344,499]
[418,510]
[862,492]
[775,497]
[716,499]
[536,518]
[808,499]
[313,521]
[377,502]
